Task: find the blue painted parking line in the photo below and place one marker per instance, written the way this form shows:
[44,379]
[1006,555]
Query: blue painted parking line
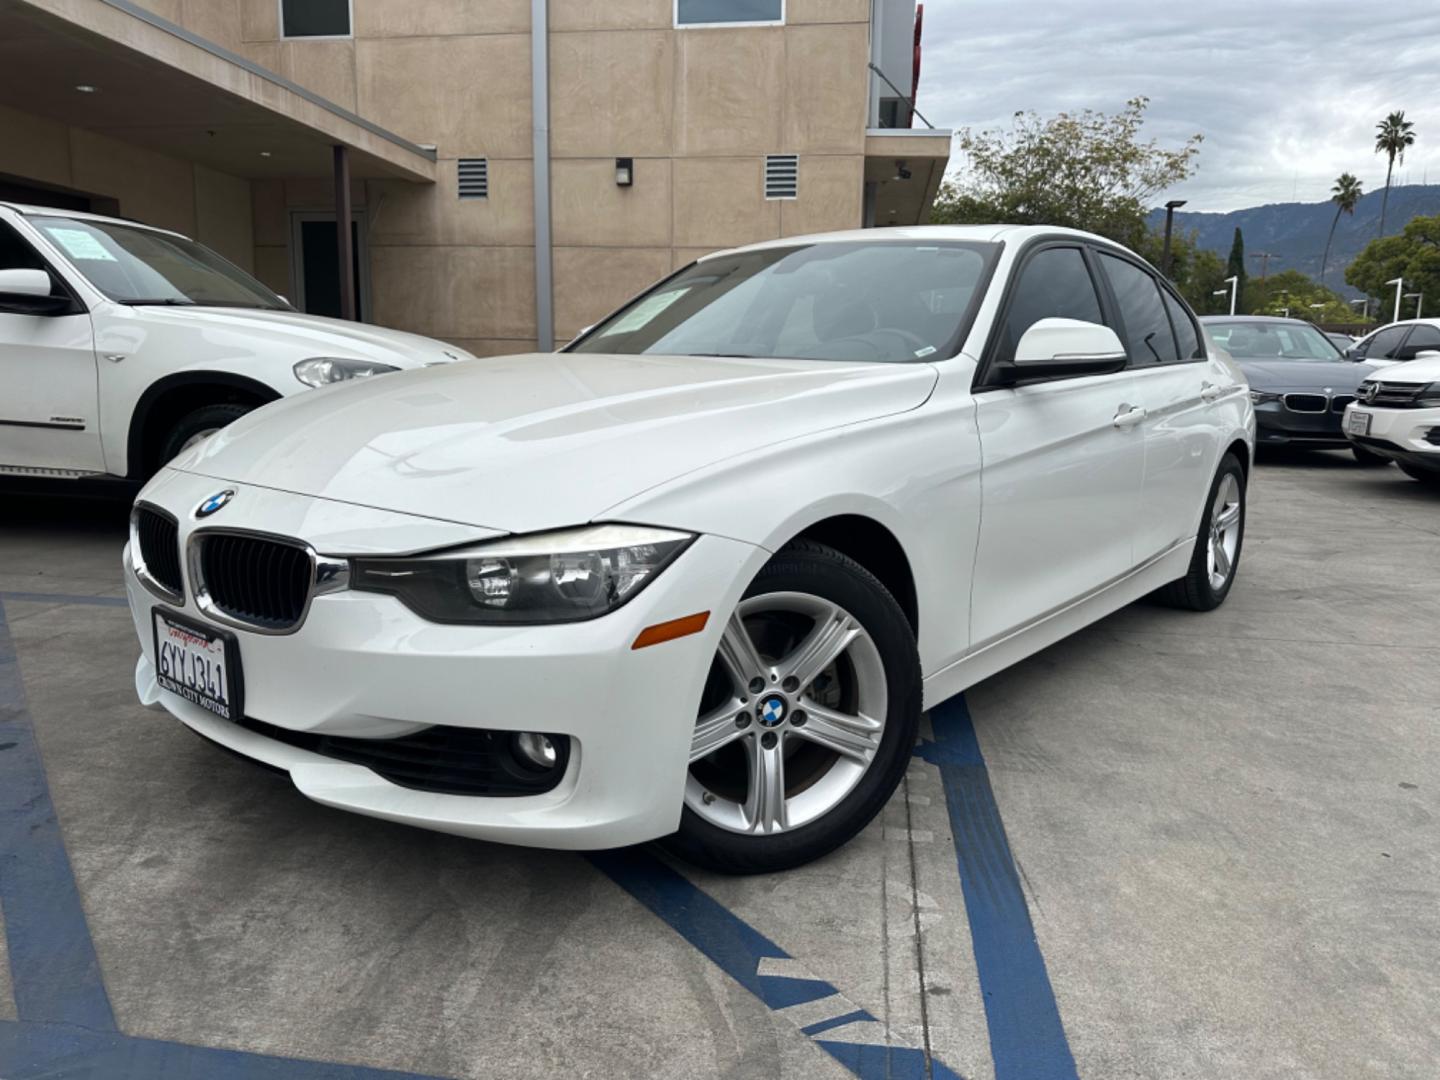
[1027,1039]
[745,954]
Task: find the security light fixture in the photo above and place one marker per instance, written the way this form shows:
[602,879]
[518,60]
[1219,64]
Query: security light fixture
[624,171]
[901,171]
[264,153]
[86,88]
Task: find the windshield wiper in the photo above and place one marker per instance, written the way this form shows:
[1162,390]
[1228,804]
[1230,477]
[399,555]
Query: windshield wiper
[725,355]
[167,301]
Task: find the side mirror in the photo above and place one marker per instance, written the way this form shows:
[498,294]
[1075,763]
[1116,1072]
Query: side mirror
[1056,348]
[27,292]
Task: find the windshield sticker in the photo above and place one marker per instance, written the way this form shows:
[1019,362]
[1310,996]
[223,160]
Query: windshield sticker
[926,351]
[646,310]
[79,244]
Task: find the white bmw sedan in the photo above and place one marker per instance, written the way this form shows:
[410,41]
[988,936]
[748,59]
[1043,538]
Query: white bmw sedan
[696,575]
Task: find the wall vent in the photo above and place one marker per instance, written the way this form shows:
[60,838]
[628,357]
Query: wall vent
[474,174]
[782,176]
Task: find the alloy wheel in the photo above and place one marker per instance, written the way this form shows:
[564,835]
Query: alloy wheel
[791,718]
[1224,532]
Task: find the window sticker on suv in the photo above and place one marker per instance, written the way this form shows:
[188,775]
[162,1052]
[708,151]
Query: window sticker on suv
[79,245]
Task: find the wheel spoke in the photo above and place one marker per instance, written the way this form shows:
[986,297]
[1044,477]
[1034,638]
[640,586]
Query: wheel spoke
[737,653]
[715,729]
[765,804]
[1229,517]
[1222,560]
[854,736]
[831,635]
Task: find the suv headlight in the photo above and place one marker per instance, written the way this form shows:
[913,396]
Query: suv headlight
[324,370]
[553,577]
[1429,396]
[1263,397]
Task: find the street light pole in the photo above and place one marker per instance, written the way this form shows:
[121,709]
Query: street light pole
[1419,298]
[1234,283]
[1399,284]
[1170,208]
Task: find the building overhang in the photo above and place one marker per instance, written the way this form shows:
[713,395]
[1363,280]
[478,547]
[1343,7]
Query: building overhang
[923,153]
[157,85]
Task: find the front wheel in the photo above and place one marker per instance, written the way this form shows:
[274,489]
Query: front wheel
[807,719]
[198,425]
[1216,555]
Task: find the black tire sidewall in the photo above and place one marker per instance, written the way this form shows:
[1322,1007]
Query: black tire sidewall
[207,416]
[826,573]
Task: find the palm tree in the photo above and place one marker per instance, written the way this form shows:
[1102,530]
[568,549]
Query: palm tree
[1392,136]
[1345,194]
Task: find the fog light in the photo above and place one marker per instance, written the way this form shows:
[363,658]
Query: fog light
[536,749]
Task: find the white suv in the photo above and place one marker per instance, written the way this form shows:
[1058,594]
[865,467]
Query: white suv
[120,345]
[1397,414]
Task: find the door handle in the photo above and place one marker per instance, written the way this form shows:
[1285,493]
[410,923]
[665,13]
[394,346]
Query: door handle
[1128,416]
[1209,391]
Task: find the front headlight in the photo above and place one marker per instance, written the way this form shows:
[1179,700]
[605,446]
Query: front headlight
[1263,397]
[1429,396]
[324,370]
[553,577]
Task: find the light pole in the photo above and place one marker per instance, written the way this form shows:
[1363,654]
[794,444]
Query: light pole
[1419,298]
[1317,308]
[1399,284]
[1234,283]
[1170,208]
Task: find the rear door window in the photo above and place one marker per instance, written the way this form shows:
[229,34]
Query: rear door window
[1187,338]
[1424,338]
[1384,343]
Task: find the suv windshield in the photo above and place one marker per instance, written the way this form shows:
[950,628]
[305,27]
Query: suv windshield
[141,266]
[867,301]
[1272,341]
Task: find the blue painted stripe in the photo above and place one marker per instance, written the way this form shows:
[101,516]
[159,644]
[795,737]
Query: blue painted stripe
[33,1051]
[1027,1039]
[836,1021]
[64,598]
[53,968]
[737,948]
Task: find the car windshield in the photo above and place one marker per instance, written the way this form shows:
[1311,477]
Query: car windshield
[1273,341]
[887,301]
[142,266]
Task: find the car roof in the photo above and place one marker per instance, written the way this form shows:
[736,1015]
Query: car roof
[1217,320]
[972,233]
[81,215]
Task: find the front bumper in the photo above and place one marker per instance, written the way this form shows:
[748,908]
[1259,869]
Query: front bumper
[363,665]
[1409,435]
[1278,425]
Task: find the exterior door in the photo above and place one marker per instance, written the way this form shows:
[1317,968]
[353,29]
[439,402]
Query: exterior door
[1062,464]
[1173,381]
[49,401]
[315,269]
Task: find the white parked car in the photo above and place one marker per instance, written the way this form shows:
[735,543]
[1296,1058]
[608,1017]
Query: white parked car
[1397,415]
[697,575]
[120,345]
[1397,342]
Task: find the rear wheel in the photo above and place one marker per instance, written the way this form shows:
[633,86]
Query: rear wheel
[1428,477]
[1368,458]
[1216,555]
[197,425]
[807,720]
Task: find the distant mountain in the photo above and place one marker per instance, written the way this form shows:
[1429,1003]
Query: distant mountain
[1295,232]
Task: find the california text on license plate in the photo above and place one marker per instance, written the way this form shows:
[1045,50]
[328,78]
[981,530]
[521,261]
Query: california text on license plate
[1358,423]
[200,663]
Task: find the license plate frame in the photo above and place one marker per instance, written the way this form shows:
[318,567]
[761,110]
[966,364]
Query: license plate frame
[1357,423]
[229,704]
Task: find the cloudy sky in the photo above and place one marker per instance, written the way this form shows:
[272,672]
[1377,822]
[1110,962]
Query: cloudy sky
[1286,93]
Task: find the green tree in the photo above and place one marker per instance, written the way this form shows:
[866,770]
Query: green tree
[1084,170]
[1413,255]
[1235,267]
[1345,194]
[1293,293]
[1392,136]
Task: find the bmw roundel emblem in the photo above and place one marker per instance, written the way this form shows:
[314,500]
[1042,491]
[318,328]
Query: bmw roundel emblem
[214,503]
[771,710]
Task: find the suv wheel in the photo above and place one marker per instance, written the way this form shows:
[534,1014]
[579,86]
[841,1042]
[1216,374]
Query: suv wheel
[807,719]
[196,425]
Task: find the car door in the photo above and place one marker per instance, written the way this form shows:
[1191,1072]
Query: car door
[1061,461]
[49,405]
[1175,388]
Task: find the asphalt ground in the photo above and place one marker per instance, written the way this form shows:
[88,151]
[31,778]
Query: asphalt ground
[1175,845]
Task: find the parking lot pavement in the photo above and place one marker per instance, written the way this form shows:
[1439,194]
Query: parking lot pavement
[1224,827]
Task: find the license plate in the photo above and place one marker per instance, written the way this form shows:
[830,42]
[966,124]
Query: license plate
[199,663]
[1358,423]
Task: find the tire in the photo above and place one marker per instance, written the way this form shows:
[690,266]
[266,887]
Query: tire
[199,421]
[1203,588]
[1428,477]
[724,825]
[1368,458]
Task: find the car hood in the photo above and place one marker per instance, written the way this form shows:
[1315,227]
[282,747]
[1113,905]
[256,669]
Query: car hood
[1274,375]
[541,441]
[1410,371]
[310,335]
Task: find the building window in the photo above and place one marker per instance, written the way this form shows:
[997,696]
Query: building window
[729,12]
[314,18]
